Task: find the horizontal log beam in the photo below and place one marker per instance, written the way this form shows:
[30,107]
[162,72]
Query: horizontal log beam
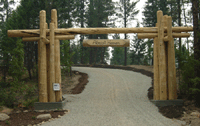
[74,31]
[106,43]
[153,35]
[60,37]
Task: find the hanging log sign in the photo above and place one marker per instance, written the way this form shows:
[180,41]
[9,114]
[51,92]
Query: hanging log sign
[106,43]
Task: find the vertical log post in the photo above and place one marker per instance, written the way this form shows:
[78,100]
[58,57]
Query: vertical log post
[172,87]
[162,57]
[42,62]
[156,87]
[57,56]
[51,65]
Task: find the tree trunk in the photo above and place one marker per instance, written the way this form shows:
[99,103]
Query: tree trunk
[125,49]
[195,11]
[82,37]
[179,24]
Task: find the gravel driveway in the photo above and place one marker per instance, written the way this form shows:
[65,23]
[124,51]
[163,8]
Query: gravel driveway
[112,98]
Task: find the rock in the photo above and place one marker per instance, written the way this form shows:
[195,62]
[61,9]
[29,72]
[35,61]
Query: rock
[195,113]
[44,116]
[7,110]
[39,110]
[18,111]
[59,116]
[4,117]
[25,111]
[195,122]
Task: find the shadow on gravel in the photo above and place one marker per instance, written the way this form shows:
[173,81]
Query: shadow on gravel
[167,111]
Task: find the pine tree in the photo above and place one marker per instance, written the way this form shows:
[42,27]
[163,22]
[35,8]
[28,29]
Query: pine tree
[5,13]
[97,16]
[117,53]
[128,12]
[138,52]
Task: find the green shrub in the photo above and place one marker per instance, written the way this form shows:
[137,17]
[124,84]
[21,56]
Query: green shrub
[7,98]
[4,84]
[189,85]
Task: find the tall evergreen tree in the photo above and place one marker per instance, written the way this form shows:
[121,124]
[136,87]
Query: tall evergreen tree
[196,26]
[117,53]
[97,16]
[138,52]
[5,13]
[128,12]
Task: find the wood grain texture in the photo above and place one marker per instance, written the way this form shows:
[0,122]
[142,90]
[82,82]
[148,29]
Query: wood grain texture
[153,35]
[75,31]
[106,43]
[162,57]
[156,95]
[172,86]
[43,63]
[58,94]
[52,65]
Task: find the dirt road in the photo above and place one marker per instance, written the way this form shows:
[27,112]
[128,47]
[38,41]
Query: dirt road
[112,98]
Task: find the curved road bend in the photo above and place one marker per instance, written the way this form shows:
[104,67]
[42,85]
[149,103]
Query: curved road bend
[112,98]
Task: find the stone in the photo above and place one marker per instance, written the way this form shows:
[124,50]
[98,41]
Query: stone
[39,110]
[195,113]
[25,111]
[18,111]
[6,110]
[195,122]
[59,116]
[44,116]
[4,117]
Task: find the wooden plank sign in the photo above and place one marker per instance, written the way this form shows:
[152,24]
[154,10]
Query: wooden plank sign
[106,43]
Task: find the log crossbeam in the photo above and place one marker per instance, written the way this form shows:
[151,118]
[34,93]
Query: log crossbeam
[59,37]
[75,31]
[153,35]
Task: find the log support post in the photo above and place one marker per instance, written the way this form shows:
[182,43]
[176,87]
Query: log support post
[172,86]
[162,57]
[42,59]
[165,87]
[57,57]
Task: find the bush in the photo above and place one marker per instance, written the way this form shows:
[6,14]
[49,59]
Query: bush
[7,98]
[189,85]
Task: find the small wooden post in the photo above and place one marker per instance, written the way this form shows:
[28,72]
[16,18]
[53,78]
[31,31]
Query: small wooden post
[51,65]
[172,87]
[162,57]
[42,62]
[57,56]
